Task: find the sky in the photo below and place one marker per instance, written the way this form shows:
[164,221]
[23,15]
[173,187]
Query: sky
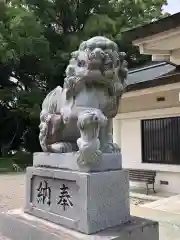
[173,6]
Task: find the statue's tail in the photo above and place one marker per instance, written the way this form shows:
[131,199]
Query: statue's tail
[49,107]
[52,100]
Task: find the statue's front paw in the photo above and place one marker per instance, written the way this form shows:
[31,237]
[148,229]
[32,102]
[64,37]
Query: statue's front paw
[89,157]
[89,152]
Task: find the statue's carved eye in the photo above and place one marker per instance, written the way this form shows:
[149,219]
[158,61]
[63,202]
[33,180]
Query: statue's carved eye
[81,63]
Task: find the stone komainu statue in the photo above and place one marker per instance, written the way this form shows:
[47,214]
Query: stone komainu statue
[78,117]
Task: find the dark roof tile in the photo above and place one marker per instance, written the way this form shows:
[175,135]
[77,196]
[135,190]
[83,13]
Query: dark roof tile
[150,72]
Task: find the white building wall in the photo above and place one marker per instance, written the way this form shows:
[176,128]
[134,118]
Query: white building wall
[130,142]
[117,131]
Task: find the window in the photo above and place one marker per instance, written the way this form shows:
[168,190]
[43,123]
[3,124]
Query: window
[161,140]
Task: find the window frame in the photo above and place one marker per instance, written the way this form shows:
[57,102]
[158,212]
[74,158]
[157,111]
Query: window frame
[144,151]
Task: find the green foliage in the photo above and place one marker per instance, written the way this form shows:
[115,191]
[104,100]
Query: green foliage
[132,13]
[36,38]
[100,24]
[23,159]
[6,165]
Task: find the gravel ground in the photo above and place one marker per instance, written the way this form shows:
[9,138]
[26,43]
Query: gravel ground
[12,190]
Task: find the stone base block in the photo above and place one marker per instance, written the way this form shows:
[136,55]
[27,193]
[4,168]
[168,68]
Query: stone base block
[15,225]
[68,161]
[85,202]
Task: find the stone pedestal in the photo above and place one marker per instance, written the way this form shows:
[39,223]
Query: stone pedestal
[72,204]
[64,201]
[85,202]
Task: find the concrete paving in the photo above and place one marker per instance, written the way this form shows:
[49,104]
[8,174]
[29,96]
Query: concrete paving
[166,212]
[141,191]
[171,204]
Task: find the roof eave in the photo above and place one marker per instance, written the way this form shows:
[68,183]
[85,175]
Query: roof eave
[155,27]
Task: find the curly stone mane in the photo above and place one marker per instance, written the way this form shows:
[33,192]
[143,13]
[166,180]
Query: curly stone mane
[112,67]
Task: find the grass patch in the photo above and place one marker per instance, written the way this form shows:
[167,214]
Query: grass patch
[16,163]
[6,165]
